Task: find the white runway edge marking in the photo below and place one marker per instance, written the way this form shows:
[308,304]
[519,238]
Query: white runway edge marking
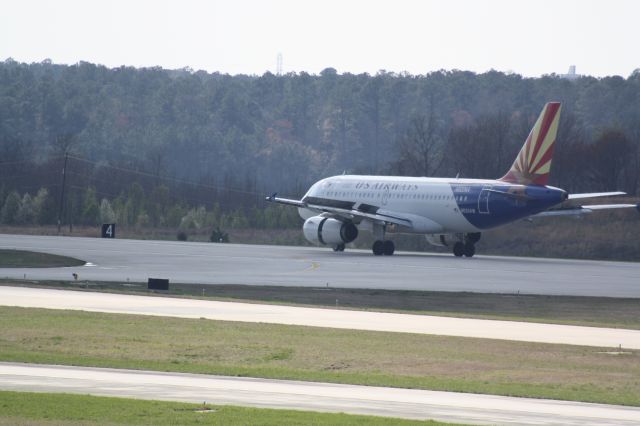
[316,317]
[328,397]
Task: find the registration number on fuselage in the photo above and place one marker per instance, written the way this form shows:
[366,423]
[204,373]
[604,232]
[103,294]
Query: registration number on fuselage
[461,189]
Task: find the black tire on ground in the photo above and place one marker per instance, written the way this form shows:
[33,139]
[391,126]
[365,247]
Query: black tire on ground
[458,249]
[469,250]
[339,247]
[388,247]
[378,247]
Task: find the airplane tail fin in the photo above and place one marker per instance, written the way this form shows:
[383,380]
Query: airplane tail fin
[533,163]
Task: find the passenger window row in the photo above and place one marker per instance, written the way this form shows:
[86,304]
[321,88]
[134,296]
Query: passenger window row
[394,195]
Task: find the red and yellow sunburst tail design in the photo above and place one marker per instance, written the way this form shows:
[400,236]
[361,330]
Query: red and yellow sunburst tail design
[533,163]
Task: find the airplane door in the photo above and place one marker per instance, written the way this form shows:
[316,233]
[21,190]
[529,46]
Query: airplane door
[385,195]
[483,200]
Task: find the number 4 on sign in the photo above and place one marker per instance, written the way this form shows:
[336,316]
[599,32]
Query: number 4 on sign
[108,230]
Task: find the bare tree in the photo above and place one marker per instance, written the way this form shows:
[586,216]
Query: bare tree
[571,155]
[421,148]
[609,156]
[479,149]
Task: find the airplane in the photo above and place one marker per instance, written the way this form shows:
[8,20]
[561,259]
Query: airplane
[451,212]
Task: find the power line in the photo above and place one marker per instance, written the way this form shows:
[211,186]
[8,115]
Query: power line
[30,161]
[113,196]
[165,178]
[47,185]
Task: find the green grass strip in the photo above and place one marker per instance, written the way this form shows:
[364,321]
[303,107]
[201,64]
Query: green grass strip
[320,354]
[64,409]
[30,259]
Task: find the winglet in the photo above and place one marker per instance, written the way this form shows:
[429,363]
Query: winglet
[533,163]
[274,199]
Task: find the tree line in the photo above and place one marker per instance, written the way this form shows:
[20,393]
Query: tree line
[152,146]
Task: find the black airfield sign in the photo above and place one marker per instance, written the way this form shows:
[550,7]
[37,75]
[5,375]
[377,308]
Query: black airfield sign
[108,230]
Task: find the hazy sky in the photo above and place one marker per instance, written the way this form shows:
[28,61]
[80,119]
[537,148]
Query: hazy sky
[530,37]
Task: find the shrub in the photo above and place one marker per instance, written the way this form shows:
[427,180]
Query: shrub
[218,236]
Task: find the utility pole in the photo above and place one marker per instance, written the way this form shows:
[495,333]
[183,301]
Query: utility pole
[64,179]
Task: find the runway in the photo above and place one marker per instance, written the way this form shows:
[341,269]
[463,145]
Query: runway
[314,317]
[327,397]
[207,263]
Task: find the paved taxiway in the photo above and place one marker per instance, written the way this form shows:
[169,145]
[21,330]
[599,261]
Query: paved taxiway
[393,402]
[332,318]
[206,263]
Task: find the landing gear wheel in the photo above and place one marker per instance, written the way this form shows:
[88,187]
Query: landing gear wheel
[378,247]
[469,250]
[388,247]
[339,247]
[458,249]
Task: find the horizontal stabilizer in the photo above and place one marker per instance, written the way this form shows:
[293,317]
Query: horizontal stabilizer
[595,194]
[581,210]
[610,206]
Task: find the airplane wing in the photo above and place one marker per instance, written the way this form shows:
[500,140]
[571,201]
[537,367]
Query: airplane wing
[344,213]
[387,217]
[286,201]
[581,210]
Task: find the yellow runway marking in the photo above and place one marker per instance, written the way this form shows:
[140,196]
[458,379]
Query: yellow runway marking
[313,267]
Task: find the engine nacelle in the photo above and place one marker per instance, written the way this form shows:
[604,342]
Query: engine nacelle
[328,231]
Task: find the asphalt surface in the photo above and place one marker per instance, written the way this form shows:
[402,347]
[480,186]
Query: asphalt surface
[327,397]
[314,317]
[207,263]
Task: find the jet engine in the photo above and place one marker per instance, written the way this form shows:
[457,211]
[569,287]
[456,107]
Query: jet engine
[328,231]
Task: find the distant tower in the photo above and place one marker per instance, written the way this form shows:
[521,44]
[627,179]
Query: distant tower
[571,75]
[279,64]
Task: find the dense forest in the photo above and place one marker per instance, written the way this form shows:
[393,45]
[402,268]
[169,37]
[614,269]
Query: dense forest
[185,148]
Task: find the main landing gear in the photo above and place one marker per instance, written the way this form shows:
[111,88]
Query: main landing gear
[381,246]
[464,249]
[467,247]
[385,247]
[339,247]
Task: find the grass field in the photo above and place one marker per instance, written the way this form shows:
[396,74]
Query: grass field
[586,311]
[30,259]
[21,408]
[316,354]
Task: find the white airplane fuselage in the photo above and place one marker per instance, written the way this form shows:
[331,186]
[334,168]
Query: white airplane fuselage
[433,205]
[448,211]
